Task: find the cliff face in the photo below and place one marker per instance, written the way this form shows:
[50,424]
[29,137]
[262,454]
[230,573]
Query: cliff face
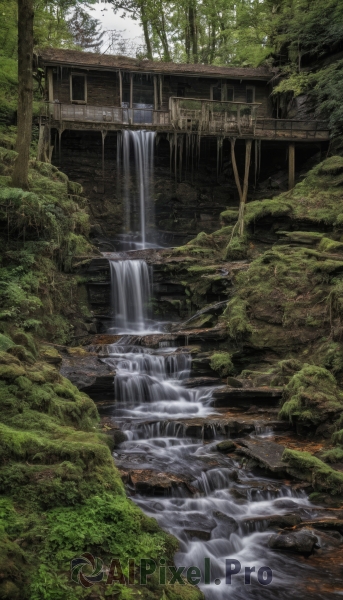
[184,204]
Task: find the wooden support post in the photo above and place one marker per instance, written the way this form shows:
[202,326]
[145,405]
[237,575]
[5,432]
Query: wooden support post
[235,170]
[120,89]
[248,145]
[50,90]
[291,166]
[60,131]
[131,90]
[103,136]
[155,93]
[161,90]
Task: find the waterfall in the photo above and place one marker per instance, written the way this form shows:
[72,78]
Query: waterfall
[139,145]
[130,294]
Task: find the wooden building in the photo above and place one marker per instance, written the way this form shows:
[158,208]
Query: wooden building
[87,91]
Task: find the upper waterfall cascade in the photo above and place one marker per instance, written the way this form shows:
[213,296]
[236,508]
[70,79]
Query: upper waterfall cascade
[138,148]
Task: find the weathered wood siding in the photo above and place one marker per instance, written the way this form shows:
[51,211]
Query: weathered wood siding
[102,88]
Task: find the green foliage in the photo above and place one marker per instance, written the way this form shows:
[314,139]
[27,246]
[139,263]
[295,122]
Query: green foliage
[221,362]
[297,83]
[327,89]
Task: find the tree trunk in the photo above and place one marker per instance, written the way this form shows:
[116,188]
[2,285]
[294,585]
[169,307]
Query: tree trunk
[164,40]
[25,93]
[146,34]
[248,145]
[193,30]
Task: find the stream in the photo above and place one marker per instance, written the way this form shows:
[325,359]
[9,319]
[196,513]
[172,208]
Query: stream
[215,516]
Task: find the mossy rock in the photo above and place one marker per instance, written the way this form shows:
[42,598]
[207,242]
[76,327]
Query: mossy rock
[78,351]
[222,364]
[328,245]
[11,371]
[50,355]
[5,342]
[312,396]
[22,354]
[307,467]
[331,166]
[22,338]
[227,446]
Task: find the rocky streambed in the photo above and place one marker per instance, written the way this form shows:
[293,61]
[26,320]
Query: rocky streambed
[205,459]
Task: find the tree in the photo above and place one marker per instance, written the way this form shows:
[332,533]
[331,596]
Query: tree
[25,93]
[86,31]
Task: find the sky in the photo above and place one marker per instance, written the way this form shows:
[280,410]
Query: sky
[128,28]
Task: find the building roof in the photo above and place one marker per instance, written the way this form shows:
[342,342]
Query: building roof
[96,61]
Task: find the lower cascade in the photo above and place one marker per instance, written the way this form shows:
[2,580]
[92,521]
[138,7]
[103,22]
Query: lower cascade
[130,294]
[216,509]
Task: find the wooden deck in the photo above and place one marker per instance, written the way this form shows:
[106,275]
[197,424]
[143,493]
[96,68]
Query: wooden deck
[186,115]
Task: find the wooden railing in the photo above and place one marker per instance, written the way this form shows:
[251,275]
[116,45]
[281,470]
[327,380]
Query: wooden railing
[291,128]
[105,114]
[207,117]
[212,116]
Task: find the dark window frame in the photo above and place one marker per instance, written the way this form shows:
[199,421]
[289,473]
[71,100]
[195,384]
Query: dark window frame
[76,101]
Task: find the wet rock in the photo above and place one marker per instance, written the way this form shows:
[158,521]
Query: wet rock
[227,523]
[194,382]
[89,374]
[280,521]
[326,524]
[234,383]
[118,437]
[227,446]
[256,489]
[152,482]
[285,503]
[198,526]
[329,539]
[228,396]
[267,454]
[302,542]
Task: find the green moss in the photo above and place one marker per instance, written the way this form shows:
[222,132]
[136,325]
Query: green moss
[222,364]
[229,216]
[312,396]
[5,342]
[327,245]
[237,248]
[236,318]
[309,468]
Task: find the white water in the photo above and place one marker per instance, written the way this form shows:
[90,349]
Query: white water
[130,295]
[138,148]
[151,399]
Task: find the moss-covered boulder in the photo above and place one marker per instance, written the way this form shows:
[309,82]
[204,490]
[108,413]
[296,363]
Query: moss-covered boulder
[307,467]
[312,397]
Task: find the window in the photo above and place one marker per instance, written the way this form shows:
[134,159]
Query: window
[216,92]
[78,88]
[250,94]
[230,94]
[181,90]
[143,90]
